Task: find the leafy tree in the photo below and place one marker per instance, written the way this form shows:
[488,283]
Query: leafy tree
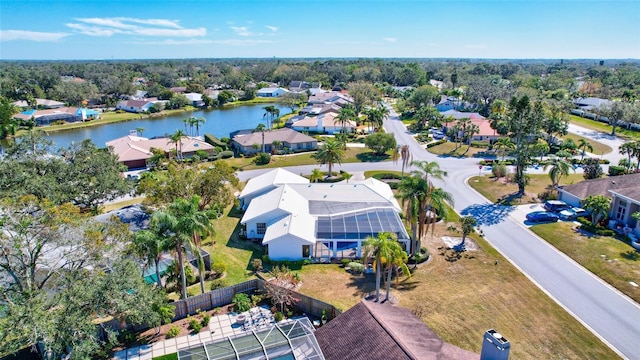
[467,223]
[177,101]
[329,153]
[558,168]
[523,120]
[555,122]
[425,95]
[592,169]
[74,93]
[212,185]
[485,90]
[7,123]
[428,116]
[598,205]
[292,100]
[380,143]
[363,93]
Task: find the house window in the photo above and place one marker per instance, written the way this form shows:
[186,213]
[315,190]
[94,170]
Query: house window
[306,251]
[262,228]
[622,210]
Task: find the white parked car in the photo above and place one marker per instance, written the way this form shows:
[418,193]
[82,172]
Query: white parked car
[573,213]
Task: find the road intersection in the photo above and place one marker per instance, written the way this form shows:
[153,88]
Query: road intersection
[609,314]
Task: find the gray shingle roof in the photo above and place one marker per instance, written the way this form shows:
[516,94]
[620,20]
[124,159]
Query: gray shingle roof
[602,186]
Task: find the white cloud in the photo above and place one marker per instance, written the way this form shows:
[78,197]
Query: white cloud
[9,35]
[133,26]
[175,42]
[241,42]
[93,30]
[241,30]
[390,39]
[272,28]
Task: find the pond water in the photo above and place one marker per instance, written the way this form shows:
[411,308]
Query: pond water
[219,122]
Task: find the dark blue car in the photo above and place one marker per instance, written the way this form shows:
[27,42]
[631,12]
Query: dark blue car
[542,216]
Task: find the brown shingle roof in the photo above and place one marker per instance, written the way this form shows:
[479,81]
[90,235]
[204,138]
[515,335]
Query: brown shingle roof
[371,331]
[602,186]
[284,135]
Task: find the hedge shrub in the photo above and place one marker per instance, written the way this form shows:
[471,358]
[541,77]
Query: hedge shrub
[480,144]
[617,170]
[262,159]
[436,143]
[226,154]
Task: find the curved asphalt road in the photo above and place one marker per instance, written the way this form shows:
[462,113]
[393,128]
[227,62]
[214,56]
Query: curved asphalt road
[610,315]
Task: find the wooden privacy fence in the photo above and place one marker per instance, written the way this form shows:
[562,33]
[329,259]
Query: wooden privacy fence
[214,298]
[223,296]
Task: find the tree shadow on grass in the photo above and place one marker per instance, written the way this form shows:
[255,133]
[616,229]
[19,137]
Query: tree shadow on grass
[632,255]
[488,214]
[511,199]
[372,157]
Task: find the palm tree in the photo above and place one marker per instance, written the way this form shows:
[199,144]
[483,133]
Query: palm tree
[402,152]
[347,176]
[380,248]
[270,110]
[167,221]
[329,153]
[559,168]
[598,205]
[316,175]
[584,146]
[429,169]
[628,148]
[139,131]
[504,144]
[149,245]
[189,228]
[412,192]
[470,131]
[197,122]
[176,139]
[396,260]
[467,222]
[186,122]
[261,128]
[346,116]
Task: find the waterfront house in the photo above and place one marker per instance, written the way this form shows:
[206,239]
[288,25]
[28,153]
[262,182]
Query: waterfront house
[195,99]
[40,104]
[271,92]
[66,114]
[250,142]
[299,220]
[134,151]
[135,106]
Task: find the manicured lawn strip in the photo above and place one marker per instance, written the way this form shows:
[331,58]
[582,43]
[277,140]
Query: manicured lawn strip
[351,155]
[494,189]
[612,260]
[461,299]
[449,149]
[605,128]
[598,148]
[173,356]
[371,173]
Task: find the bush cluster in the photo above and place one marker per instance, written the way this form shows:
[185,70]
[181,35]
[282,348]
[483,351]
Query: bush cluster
[617,170]
[262,159]
[480,144]
[219,284]
[173,332]
[586,225]
[241,302]
[436,143]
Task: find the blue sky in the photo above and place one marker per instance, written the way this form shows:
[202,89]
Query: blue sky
[140,29]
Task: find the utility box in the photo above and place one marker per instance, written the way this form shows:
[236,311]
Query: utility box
[494,346]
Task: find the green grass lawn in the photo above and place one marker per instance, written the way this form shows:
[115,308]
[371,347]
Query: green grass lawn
[460,151]
[612,260]
[351,155]
[499,190]
[448,296]
[605,128]
[598,148]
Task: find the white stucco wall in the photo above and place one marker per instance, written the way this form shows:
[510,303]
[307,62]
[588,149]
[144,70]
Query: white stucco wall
[286,248]
[569,199]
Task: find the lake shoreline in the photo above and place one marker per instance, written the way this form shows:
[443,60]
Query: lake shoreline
[113,117]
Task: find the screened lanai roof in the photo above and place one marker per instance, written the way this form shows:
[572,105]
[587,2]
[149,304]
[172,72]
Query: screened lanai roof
[293,340]
[360,225]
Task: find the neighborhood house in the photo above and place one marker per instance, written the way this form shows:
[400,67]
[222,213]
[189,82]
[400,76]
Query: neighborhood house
[135,106]
[250,142]
[298,220]
[66,114]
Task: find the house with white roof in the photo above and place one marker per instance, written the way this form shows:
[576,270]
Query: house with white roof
[300,220]
[195,99]
[324,123]
[135,106]
[271,92]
